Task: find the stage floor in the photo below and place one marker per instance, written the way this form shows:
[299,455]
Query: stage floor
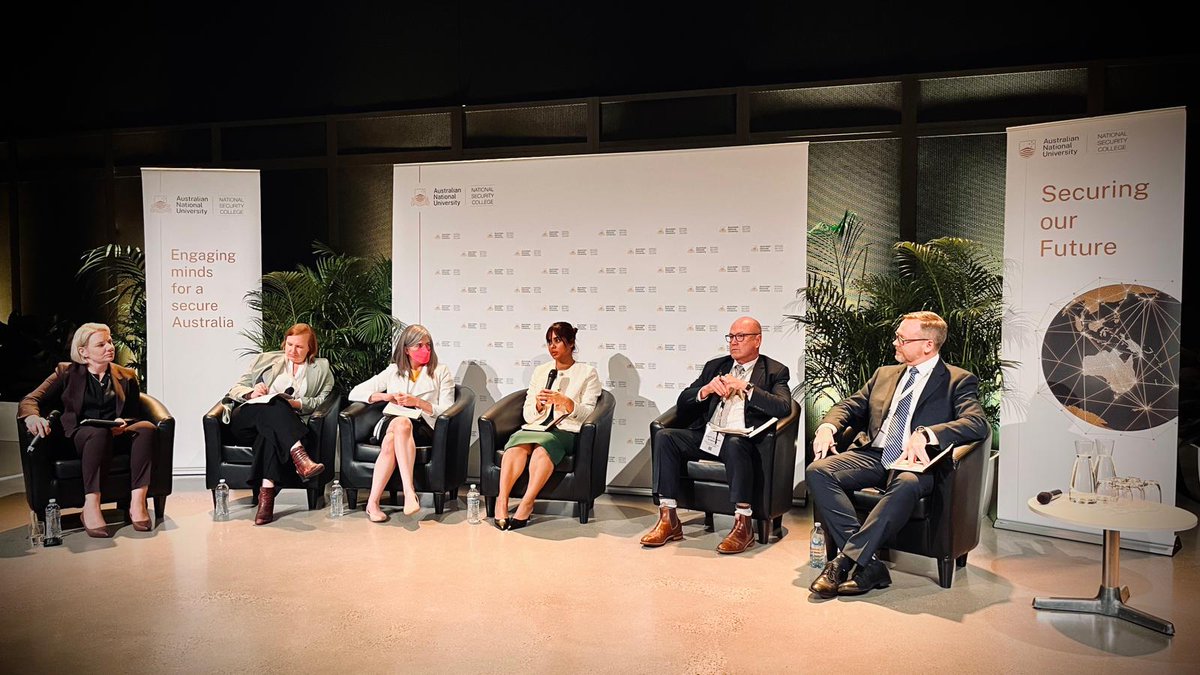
[435,594]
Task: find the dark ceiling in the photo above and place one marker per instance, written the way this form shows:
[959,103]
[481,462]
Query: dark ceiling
[151,64]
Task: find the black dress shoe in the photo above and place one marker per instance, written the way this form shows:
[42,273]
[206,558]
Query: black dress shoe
[517,523]
[827,582]
[500,523]
[874,575]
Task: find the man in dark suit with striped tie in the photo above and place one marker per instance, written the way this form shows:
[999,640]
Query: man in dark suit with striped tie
[742,390]
[900,410]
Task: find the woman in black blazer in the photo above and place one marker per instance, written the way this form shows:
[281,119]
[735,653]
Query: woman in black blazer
[95,388]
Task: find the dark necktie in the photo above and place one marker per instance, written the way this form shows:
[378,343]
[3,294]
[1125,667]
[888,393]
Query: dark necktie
[897,429]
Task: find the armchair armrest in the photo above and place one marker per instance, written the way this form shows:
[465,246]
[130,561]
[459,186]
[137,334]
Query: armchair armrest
[328,407]
[460,404]
[155,411]
[360,418]
[505,416]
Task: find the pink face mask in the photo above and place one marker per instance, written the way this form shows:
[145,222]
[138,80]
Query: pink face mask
[420,355]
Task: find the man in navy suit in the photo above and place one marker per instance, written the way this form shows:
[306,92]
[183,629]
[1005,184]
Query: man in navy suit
[899,411]
[742,390]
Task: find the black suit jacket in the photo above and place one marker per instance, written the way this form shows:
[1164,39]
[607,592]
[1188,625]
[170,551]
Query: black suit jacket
[949,406]
[65,387]
[771,397]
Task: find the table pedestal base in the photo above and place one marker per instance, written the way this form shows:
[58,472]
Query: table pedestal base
[1111,599]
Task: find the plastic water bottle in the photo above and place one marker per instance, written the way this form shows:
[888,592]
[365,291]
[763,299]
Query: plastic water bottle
[221,509]
[53,525]
[473,506]
[816,547]
[337,500]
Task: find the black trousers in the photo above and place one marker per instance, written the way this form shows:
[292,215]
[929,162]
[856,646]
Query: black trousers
[94,445]
[833,479]
[271,429]
[674,448]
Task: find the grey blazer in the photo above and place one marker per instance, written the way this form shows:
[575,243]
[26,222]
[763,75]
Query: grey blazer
[269,365]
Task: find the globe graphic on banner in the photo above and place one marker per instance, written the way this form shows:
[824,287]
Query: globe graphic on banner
[1110,356]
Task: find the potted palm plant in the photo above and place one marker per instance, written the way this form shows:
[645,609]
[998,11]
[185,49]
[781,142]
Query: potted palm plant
[346,299]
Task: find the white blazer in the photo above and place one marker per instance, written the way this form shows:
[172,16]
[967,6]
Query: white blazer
[580,383]
[437,389]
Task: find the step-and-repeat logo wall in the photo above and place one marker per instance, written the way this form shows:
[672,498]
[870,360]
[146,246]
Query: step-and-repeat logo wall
[650,255]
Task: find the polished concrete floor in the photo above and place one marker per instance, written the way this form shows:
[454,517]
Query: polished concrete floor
[435,594]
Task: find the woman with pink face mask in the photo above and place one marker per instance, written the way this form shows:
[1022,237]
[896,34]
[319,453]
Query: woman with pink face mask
[416,381]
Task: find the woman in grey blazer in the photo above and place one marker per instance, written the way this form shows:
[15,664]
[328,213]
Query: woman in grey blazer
[276,396]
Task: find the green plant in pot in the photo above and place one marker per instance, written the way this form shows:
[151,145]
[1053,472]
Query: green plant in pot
[346,299]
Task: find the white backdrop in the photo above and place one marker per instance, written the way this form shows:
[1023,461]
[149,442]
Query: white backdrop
[1093,247]
[203,252]
[651,255]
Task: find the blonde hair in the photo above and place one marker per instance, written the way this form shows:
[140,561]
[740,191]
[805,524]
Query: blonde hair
[411,337]
[932,326]
[82,335]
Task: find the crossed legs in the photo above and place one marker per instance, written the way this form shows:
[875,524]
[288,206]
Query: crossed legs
[398,450]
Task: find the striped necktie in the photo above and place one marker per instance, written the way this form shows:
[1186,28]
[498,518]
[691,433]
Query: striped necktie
[897,429]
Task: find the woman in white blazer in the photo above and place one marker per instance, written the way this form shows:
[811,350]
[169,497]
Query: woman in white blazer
[414,380]
[275,398]
[569,398]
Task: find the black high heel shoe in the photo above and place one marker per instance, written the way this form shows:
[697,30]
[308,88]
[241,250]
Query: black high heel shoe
[501,524]
[517,523]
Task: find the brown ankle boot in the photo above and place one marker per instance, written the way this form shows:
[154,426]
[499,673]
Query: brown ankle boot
[304,464]
[740,538]
[266,506]
[668,528]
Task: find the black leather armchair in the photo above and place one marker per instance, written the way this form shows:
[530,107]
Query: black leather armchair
[54,471]
[224,458]
[580,477]
[944,524]
[704,487]
[440,468]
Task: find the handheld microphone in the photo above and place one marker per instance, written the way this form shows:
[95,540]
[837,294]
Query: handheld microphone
[1047,497]
[289,391]
[550,378]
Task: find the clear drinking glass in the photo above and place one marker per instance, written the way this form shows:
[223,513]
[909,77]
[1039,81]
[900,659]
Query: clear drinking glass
[1131,491]
[1083,481]
[1108,490]
[1152,490]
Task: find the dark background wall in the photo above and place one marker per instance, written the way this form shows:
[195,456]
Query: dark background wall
[906,107]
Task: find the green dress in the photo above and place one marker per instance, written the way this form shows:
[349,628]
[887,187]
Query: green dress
[556,442]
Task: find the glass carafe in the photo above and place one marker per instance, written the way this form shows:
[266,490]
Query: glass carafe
[1083,481]
[1103,469]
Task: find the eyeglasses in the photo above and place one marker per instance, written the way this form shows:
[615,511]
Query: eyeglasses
[903,340]
[739,337]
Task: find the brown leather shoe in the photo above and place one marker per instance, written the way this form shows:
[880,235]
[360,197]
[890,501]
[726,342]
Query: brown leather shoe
[266,506]
[304,464]
[740,538]
[668,528]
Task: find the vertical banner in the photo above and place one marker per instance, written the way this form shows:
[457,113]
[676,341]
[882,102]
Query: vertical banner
[650,255]
[1093,246]
[203,253]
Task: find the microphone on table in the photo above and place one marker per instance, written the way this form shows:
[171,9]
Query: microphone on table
[1047,497]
